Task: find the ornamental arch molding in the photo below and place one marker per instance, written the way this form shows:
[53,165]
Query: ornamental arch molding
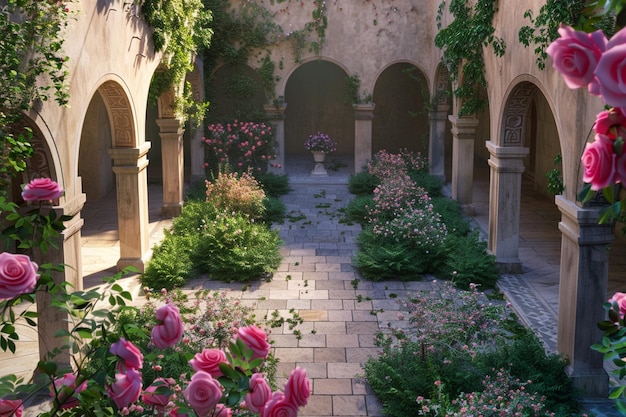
[442,86]
[121,115]
[516,109]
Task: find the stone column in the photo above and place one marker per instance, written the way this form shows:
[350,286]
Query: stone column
[464,134]
[505,189]
[582,291]
[437,142]
[276,114]
[172,157]
[50,320]
[197,155]
[129,166]
[363,116]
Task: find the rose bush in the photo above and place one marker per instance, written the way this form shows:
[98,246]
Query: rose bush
[129,360]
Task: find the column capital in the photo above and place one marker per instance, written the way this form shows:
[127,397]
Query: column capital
[580,224]
[129,156]
[364,111]
[170,125]
[463,128]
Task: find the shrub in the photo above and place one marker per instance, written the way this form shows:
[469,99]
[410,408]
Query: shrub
[358,209]
[467,261]
[431,184]
[274,210]
[170,266]
[362,183]
[234,192]
[451,215]
[274,185]
[232,248]
[194,215]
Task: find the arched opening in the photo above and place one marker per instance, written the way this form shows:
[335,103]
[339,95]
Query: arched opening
[316,95]
[401,113]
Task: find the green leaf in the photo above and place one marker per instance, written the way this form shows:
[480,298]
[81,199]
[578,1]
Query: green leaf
[616,392]
[586,194]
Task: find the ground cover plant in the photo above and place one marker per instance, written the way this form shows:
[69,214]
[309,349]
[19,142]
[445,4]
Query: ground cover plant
[407,232]
[226,236]
[454,352]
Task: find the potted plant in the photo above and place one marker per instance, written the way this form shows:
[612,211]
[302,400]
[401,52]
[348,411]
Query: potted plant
[320,144]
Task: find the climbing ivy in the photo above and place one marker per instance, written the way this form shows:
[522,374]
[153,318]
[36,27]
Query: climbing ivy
[181,30]
[33,70]
[462,42]
[587,16]
[244,33]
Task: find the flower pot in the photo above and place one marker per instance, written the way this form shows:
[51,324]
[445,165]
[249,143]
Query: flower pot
[318,156]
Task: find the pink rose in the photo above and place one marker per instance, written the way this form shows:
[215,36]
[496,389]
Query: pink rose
[130,354]
[11,408]
[298,388]
[18,275]
[222,411]
[620,299]
[620,169]
[599,162]
[611,123]
[278,406]
[611,71]
[67,391]
[169,328]
[260,392]
[255,339]
[208,361]
[126,388]
[161,399]
[575,55]
[41,189]
[203,393]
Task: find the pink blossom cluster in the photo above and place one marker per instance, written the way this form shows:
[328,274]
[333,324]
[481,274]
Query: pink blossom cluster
[238,192]
[320,142]
[241,145]
[385,164]
[590,60]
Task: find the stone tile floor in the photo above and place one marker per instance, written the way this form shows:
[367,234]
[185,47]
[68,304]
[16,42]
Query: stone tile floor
[317,280]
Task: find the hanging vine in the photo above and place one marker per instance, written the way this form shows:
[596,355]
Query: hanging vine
[462,42]
[33,70]
[181,31]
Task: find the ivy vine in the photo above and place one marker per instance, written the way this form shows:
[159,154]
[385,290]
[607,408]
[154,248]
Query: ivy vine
[601,14]
[30,51]
[462,42]
[181,30]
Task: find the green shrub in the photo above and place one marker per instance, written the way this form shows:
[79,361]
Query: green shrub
[357,209]
[362,183]
[452,215]
[170,266]
[274,185]
[239,193]
[231,248]
[196,191]
[431,184]
[274,210]
[194,215]
[467,261]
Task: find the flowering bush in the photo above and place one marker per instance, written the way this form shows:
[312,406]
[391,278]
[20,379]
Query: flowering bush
[320,142]
[233,192]
[128,361]
[590,60]
[240,145]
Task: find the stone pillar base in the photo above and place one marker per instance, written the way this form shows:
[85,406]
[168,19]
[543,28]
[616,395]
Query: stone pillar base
[139,264]
[319,170]
[594,383]
[169,211]
[509,266]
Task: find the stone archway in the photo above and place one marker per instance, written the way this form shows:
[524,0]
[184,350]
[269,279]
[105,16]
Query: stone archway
[111,103]
[401,112]
[316,94]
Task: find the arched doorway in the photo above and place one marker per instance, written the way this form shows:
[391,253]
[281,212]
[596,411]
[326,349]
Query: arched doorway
[401,112]
[316,95]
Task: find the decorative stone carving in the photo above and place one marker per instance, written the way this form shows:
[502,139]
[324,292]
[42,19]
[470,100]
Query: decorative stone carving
[515,113]
[119,109]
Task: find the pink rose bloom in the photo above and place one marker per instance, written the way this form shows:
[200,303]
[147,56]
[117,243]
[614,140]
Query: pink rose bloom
[11,408]
[41,189]
[126,388]
[203,393]
[161,399]
[67,385]
[222,411]
[575,55]
[298,388]
[260,393]
[278,406]
[208,361]
[255,339]
[18,275]
[611,71]
[169,329]
[599,162]
[620,299]
[130,354]
[611,123]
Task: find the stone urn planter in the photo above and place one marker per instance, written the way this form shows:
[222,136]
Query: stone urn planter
[319,157]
